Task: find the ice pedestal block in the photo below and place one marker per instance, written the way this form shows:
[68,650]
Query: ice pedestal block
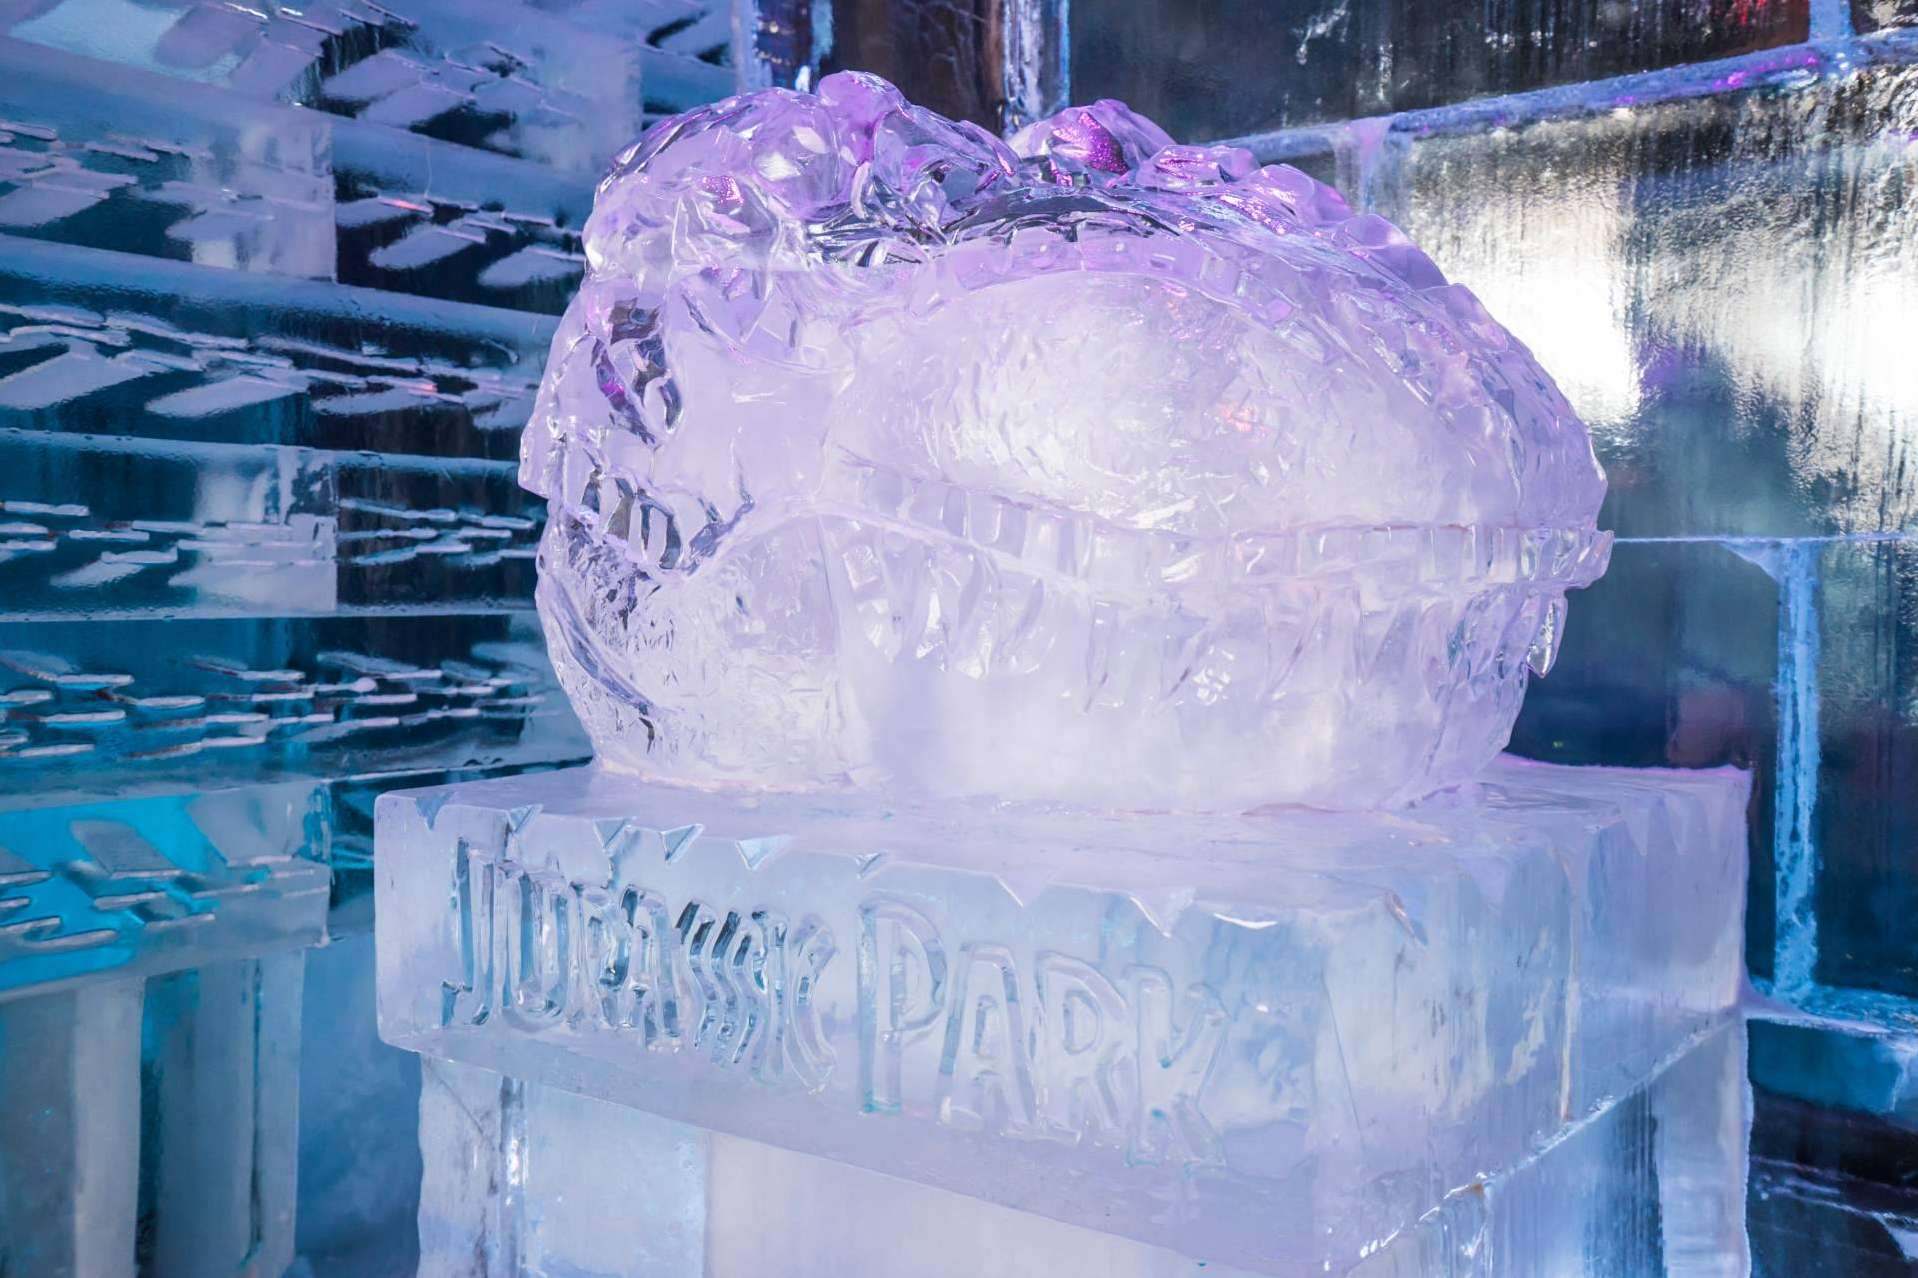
[1268,1041]
[523,1178]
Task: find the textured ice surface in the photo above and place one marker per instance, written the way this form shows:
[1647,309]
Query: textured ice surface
[1254,1038]
[1651,1187]
[1089,467]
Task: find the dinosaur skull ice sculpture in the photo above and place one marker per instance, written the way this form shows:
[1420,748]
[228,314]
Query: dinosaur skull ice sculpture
[1086,467]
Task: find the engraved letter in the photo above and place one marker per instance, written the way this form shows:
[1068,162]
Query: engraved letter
[700,929]
[1173,1065]
[474,881]
[1083,1039]
[539,947]
[655,1003]
[902,991]
[807,1048]
[757,965]
[602,986]
[985,1075]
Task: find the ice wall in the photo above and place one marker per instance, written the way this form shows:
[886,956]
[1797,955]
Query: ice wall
[276,284]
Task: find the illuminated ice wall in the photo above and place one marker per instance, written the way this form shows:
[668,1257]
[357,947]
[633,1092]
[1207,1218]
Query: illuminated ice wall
[276,285]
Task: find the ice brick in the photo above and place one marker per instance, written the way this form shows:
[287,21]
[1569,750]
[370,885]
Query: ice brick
[1843,1054]
[213,177]
[1218,68]
[418,216]
[1865,815]
[70,1075]
[1652,1186]
[1247,1038]
[93,707]
[219,1124]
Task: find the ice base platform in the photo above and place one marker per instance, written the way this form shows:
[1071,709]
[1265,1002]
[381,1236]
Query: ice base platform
[1285,1043]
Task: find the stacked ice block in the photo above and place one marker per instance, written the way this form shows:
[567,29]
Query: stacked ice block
[1491,1034]
[150,977]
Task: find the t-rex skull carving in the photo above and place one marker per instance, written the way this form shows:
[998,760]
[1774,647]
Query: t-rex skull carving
[1086,467]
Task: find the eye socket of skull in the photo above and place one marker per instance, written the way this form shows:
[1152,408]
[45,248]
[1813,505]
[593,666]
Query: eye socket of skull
[1089,467]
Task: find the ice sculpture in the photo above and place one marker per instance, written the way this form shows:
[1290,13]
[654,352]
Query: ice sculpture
[900,475]
[1087,467]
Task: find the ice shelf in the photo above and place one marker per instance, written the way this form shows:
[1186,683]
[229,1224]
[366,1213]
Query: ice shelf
[1276,1041]
[111,889]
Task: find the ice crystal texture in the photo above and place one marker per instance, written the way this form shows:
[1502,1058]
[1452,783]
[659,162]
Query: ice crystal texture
[1085,466]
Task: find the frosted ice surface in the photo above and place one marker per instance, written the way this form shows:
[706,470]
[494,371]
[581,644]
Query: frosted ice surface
[1269,1039]
[1085,467]
[1653,1185]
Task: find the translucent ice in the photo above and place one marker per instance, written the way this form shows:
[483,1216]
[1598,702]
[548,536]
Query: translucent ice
[1276,1040]
[1087,467]
[1652,1185]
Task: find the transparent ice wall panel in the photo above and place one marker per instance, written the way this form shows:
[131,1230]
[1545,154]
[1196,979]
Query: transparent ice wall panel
[1674,662]
[1207,69]
[359,1123]
[1652,1185]
[1246,1038]
[1718,283]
